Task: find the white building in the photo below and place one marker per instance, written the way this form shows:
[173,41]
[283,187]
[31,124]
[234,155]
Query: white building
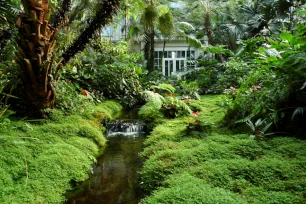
[178,55]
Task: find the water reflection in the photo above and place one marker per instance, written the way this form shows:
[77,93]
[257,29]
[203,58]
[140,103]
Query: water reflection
[115,179]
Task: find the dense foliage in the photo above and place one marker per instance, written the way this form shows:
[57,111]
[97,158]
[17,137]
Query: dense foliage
[108,70]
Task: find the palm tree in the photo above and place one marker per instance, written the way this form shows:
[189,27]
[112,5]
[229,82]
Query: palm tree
[208,12]
[154,19]
[36,43]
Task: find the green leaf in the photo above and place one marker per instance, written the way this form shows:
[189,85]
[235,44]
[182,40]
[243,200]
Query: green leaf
[301,12]
[272,59]
[286,36]
[261,50]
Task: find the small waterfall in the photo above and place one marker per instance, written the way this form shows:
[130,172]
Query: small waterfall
[126,128]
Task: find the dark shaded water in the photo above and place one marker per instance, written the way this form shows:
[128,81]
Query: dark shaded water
[115,177]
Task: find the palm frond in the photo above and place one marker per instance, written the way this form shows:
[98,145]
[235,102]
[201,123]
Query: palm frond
[193,41]
[166,24]
[60,16]
[102,18]
[8,11]
[149,17]
[183,27]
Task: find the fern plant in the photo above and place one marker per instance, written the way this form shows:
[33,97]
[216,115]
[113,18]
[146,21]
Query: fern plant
[170,106]
[154,98]
[173,107]
[168,88]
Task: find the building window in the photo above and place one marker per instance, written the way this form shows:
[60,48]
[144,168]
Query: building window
[174,61]
[191,59]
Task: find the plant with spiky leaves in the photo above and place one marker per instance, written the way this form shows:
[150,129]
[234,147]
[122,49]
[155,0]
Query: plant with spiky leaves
[37,38]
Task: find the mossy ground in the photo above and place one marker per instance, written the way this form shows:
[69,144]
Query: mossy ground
[221,167]
[40,162]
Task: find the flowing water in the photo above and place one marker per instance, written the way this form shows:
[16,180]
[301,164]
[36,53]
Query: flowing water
[115,177]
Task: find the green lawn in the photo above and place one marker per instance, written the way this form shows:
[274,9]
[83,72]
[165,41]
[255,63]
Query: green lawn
[221,167]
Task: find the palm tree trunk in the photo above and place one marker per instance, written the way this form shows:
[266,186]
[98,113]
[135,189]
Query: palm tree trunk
[207,27]
[150,50]
[37,39]
[163,53]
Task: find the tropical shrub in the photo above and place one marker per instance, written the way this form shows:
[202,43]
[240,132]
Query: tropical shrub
[167,106]
[153,78]
[236,71]
[173,107]
[190,90]
[275,91]
[109,71]
[207,78]
[71,98]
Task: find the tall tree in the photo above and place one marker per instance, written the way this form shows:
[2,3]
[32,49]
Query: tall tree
[155,17]
[37,38]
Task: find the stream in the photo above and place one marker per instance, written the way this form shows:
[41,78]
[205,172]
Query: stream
[115,177]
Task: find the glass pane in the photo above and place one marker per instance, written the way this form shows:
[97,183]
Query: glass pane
[155,54]
[171,67]
[182,65]
[177,65]
[169,54]
[183,54]
[165,54]
[179,54]
[188,54]
[166,68]
[155,62]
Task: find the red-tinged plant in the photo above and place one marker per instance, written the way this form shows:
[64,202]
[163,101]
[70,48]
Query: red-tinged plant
[197,127]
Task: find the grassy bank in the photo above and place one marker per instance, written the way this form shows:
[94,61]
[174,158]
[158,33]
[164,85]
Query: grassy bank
[221,167]
[40,162]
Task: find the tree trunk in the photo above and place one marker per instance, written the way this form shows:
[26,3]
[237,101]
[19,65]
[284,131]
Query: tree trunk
[126,21]
[207,27]
[163,55]
[37,39]
[149,51]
